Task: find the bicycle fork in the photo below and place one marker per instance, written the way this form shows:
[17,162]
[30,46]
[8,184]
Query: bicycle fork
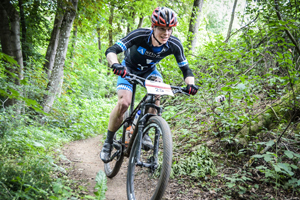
[152,162]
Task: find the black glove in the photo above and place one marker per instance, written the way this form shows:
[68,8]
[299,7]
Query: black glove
[119,69]
[192,89]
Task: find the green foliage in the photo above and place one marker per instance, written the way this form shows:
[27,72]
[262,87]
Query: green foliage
[8,58]
[280,166]
[23,148]
[80,112]
[238,181]
[100,185]
[80,116]
[252,71]
[31,88]
[197,164]
[38,17]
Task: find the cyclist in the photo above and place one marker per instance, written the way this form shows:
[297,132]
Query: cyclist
[144,48]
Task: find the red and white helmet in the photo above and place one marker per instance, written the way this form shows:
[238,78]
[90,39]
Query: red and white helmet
[163,16]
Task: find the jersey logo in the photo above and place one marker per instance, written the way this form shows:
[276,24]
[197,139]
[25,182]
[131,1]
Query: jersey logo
[141,50]
[148,61]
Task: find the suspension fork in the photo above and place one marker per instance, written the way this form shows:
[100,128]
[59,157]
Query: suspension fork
[153,163]
[139,138]
[156,145]
[132,98]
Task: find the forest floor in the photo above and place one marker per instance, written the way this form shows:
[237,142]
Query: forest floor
[84,163]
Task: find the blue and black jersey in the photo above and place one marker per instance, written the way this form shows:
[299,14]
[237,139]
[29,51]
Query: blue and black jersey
[140,55]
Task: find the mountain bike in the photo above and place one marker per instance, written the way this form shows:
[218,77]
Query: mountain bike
[148,168]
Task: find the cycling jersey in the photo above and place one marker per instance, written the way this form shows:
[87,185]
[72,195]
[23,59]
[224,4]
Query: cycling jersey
[140,55]
[123,84]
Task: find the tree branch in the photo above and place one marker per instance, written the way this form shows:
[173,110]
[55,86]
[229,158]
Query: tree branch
[286,30]
[231,21]
[242,28]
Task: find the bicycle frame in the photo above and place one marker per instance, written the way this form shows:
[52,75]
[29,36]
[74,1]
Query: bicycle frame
[147,102]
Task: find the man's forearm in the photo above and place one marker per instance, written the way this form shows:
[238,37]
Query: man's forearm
[190,80]
[112,58]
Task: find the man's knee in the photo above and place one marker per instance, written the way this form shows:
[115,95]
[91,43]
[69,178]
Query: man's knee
[123,105]
[124,102]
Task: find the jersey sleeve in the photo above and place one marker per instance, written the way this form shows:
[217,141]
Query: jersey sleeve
[128,41]
[180,58]
[179,52]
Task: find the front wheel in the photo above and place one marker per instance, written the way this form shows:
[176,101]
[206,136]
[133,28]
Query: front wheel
[150,181]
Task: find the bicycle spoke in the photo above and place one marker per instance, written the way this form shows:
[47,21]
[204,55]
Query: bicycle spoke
[147,181]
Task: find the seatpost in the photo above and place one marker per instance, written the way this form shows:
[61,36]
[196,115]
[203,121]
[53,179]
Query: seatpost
[132,98]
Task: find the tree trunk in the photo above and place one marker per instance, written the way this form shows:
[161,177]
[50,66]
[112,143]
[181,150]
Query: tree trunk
[110,32]
[5,33]
[231,21]
[57,72]
[110,21]
[99,42]
[60,83]
[10,41]
[23,26]
[141,22]
[130,21]
[51,50]
[6,45]
[74,42]
[16,43]
[194,23]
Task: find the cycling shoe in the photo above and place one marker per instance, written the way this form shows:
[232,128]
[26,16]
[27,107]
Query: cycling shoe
[106,151]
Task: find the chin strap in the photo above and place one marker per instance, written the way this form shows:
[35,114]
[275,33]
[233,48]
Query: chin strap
[156,39]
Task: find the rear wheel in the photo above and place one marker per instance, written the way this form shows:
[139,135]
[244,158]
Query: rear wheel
[151,182]
[112,168]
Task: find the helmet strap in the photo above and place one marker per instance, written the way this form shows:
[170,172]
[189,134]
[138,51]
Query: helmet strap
[156,39]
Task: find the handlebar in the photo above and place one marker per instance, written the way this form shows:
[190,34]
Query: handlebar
[182,90]
[134,79]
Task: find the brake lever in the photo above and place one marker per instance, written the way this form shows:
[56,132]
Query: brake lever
[133,79]
[180,90]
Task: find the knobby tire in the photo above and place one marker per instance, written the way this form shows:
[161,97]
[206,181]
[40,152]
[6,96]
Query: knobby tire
[142,183]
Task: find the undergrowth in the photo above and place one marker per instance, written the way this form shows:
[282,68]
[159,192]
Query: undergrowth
[30,143]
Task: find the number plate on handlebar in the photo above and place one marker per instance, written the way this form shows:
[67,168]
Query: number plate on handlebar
[158,88]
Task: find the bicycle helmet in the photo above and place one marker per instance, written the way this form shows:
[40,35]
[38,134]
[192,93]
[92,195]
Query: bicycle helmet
[163,16]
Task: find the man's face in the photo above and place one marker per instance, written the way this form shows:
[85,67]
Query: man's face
[162,34]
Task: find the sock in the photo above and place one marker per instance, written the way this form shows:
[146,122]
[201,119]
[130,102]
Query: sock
[109,137]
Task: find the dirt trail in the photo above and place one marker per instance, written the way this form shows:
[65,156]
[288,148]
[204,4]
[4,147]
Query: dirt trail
[85,164]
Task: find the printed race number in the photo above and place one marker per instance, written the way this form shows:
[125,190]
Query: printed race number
[158,88]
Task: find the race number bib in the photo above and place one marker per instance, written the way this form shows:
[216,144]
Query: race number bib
[158,88]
